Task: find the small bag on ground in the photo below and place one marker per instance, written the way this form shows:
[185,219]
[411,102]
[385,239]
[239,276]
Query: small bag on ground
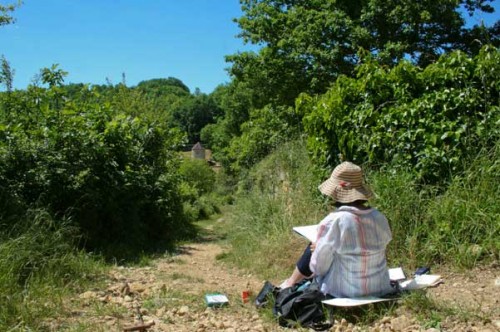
[265,294]
[300,304]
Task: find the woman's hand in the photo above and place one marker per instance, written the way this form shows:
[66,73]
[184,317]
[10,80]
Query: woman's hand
[312,246]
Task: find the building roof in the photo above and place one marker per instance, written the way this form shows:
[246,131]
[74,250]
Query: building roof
[198,146]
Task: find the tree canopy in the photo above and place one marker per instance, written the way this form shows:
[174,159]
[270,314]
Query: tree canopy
[308,43]
[164,86]
[6,13]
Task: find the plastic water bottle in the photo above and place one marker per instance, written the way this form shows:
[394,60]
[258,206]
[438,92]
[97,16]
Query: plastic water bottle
[304,286]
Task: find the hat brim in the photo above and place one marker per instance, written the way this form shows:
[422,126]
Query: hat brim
[341,194]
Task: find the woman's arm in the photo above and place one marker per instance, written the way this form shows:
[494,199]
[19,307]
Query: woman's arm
[323,252]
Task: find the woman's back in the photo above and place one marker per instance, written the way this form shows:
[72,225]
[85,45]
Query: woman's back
[349,260]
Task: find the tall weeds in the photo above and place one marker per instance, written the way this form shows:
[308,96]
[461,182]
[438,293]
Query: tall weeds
[275,196]
[458,225]
[465,221]
[38,264]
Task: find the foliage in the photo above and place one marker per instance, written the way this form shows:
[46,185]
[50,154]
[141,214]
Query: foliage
[427,119]
[38,264]
[198,174]
[245,134]
[199,189]
[152,100]
[266,129]
[272,77]
[307,44]
[53,76]
[113,175]
[166,102]
[235,102]
[5,13]
[164,86]
[276,195]
[193,114]
[6,74]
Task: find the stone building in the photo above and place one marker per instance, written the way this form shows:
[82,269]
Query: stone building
[198,151]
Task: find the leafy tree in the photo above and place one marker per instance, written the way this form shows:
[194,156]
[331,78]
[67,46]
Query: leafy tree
[235,101]
[5,13]
[6,74]
[53,76]
[266,129]
[153,100]
[113,175]
[427,119]
[194,113]
[475,38]
[306,44]
[164,86]
[271,76]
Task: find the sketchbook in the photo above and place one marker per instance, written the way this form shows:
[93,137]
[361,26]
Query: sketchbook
[396,274]
[421,282]
[309,232]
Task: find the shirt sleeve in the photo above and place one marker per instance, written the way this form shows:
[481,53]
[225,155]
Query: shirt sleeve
[323,256]
[385,228]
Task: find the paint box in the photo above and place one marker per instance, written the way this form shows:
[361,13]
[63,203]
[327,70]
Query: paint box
[216,300]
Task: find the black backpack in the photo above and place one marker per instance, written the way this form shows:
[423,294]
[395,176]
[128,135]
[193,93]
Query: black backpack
[300,305]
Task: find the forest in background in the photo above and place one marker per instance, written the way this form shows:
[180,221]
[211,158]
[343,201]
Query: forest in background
[92,173]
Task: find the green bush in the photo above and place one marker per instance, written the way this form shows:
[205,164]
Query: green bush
[457,225]
[426,119]
[114,176]
[266,129]
[198,175]
[39,263]
[198,189]
[276,195]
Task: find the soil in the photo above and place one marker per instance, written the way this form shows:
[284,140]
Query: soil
[170,291]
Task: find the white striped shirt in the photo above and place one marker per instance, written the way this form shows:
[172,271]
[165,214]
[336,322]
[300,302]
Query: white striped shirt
[349,259]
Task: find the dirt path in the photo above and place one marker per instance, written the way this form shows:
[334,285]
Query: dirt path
[174,290]
[170,292]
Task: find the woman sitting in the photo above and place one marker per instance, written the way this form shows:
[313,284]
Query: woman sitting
[348,257]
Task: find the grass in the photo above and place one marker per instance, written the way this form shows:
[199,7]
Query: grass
[39,267]
[273,198]
[169,297]
[433,314]
[457,225]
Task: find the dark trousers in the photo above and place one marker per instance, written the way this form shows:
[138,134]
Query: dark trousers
[304,260]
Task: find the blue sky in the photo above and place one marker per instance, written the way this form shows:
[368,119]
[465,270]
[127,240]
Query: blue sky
[98,39]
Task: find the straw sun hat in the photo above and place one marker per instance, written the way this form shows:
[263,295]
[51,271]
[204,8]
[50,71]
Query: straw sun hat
[345,185]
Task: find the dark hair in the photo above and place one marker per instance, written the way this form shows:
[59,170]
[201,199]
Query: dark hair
[355,203]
